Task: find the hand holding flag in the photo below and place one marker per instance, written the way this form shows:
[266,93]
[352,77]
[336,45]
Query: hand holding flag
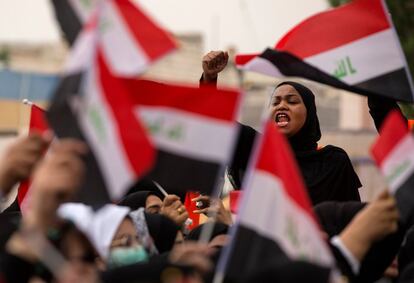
[393,151]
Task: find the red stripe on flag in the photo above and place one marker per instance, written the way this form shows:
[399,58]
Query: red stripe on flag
[245,58]
[206,101]
[277,159]
[336,27]
[393,130]
[138,148]
[154,40]
[38,124]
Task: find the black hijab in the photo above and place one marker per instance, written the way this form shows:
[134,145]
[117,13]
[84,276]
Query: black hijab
[138,199]
[328,172]
[309,135]
[162,230]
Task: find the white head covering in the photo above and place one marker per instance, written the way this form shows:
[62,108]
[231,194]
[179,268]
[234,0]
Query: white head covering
[100,227]
[80,214]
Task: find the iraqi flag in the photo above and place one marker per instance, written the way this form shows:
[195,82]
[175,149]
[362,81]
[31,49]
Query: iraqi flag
[130,41]
[37,124]
[393,151]
[193,129]
[275,220]
[95,106]
[186,135]
[353,47]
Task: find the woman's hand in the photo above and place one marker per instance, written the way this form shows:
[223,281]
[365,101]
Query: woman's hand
[213,207]
[213,63]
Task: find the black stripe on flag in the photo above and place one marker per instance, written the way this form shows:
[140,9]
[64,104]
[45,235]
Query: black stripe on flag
[251,253]
[405,200]
[68,19]
[64,124]
[395,82]
[290,65]
[178,174]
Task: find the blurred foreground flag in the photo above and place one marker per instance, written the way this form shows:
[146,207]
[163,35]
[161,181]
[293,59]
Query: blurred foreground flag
[38,123]
[194,130]
[275,221]
[94,106]
[394,153]
[129,40]
[353,47]
[185,136]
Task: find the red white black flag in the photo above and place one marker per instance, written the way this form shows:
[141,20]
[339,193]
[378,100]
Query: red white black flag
[353,47]
[394,153]
[37,124]
[275,217]
[128,39]
[191,131]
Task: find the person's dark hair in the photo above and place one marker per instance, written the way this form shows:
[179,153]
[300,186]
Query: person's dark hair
[309,135]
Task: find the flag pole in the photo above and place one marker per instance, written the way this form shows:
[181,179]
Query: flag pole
[400,50]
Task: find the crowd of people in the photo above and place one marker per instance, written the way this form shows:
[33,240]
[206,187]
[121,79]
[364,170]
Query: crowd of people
[145,237]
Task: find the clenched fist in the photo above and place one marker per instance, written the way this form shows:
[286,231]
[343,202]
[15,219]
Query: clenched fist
[213,63]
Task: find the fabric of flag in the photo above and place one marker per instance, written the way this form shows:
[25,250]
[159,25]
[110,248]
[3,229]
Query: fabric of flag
[38,123]
[94,106]
[275,219]
[393,151]
[193,129]
[355,44]
[129,40]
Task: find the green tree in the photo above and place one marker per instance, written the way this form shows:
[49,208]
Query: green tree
[402,12]
[4,56]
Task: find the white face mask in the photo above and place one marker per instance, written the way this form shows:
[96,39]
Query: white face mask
[127,255]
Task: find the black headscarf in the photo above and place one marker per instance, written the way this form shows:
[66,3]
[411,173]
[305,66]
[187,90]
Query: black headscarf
[309,135]
[138,199]
[328,172]
[162,230]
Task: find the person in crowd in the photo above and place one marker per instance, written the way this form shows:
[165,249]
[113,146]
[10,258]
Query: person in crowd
[22,156]
[154,203]
[70,257]
[365,238]
[327,171]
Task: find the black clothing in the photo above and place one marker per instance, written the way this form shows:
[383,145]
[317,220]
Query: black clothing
[329,175]
[334,217]
[162,230]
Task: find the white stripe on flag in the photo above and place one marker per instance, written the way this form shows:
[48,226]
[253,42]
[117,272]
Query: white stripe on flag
[363,59]
[101,131]
[188,134]
[270,212]
[123,53]
[83,8]
[82,52]
[398,166]
[262,65]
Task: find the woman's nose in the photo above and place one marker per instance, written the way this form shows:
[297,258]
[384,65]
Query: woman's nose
[282,105]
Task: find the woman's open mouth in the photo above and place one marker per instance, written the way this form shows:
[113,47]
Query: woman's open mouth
[282,119]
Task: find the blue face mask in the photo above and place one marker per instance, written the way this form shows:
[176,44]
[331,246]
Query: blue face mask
[125,256]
